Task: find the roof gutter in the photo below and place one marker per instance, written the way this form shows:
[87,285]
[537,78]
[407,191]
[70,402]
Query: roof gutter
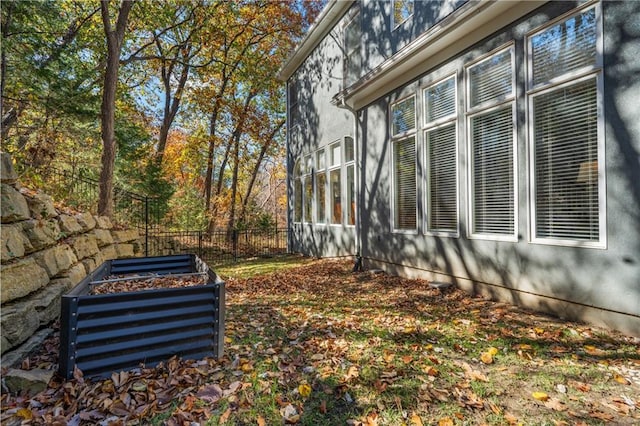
[458,31]
[324,23]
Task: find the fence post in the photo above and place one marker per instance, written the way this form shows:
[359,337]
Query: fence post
[200,244]
[146,226]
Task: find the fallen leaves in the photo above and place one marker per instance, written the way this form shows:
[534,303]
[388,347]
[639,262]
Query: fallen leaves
[318,343]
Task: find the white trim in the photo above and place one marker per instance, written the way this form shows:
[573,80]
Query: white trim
[463,28]
[567,80]
[435,123]
[509,46]
[324,23]
[415,117]
[471,233]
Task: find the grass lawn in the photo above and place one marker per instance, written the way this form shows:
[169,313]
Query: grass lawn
[308,342]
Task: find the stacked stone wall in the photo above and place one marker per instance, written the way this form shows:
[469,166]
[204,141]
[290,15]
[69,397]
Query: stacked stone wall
[45,252]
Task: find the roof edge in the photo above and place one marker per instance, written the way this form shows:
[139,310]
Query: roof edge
[324,23]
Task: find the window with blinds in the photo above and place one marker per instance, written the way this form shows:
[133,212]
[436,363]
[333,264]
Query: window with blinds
[403,116]
[491,134]
[492,172]
[442,186]
[440,138]
[491,79]
[404,182]
[567,146]
[336,196]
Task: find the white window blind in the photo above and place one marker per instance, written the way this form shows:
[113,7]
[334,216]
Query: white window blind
[565,47]
[440,100]
[403,116]
[567,143]
[442,196]
[404,176]
[491,79]
[566,163]
[492,172]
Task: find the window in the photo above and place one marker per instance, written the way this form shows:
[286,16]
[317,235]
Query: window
[491,129]
[402,10]
[335,184]
[294,108]
[567,146]
[441,140]
[351,182]
[404,188]
[321,184]
[297,192]
[308,189]
[403,125]
[352,55]
[403,116]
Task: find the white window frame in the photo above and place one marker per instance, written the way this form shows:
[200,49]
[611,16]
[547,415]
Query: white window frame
[330,168]
[395,25]
[318,171]
[484,108]
[298,177]
[434,125]
[352,18]
[307,174]
[347,164]
[411,133]
[559,82]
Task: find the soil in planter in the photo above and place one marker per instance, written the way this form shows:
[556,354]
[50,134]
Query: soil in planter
[128,283]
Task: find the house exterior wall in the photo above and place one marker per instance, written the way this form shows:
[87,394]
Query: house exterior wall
[320,124]
[599,282]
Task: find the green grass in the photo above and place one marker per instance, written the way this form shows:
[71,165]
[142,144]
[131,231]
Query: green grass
[248,268]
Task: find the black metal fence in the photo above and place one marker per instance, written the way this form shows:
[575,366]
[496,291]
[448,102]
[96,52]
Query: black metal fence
[146,213]
[220,246]
[82,192]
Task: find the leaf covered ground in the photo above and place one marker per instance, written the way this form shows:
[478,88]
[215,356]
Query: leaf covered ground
[319,345]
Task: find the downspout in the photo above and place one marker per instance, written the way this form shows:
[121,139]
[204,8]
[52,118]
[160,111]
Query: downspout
[357,267]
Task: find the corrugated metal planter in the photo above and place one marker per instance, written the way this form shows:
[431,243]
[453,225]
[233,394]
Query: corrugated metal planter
[103,333]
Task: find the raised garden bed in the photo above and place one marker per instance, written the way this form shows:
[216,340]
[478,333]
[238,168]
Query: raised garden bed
[141,311]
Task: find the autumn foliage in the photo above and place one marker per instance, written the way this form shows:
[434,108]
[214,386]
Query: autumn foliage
[319,345]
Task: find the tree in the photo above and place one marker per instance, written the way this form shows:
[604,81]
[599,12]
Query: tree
[114,37]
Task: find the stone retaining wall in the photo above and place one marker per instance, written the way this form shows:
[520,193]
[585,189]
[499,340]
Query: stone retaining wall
[45,252]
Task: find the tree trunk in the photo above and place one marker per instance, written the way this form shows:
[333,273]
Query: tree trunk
[256,169]
[107,111]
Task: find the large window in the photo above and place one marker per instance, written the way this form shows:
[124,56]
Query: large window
[352,55]
[441,140]
[403,125]
[308,189]
[349,158]
[321,184]
[335,183]
[567,151]
[490,109]
[297,192]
